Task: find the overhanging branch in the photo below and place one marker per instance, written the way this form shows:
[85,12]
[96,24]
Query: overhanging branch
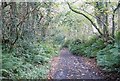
[85,17]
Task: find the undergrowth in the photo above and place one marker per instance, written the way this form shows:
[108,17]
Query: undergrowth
[107,55]
[27,61]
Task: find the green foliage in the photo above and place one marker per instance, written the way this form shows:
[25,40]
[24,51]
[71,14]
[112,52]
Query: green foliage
[30,63]
[66,44]
[109,58]
[40,59]
[118,39]
[89,48]
[76,47]
[59,39]
[90,41]
[118,36]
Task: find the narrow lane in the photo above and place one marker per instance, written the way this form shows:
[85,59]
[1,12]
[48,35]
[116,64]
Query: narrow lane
[74,67]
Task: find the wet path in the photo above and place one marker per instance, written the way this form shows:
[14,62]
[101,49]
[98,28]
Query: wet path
[69,66]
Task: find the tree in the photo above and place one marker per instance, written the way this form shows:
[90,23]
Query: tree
[86,17]
[101,15]
[113,19]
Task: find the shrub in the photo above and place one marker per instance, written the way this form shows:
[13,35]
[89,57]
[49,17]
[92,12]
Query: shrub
[91,51]
[90,41]
[89,48]
[40,59]
[109,58]
[118,39]
[27,62]
[66,44]
[76,47]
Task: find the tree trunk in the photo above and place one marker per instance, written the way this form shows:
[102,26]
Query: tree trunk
[119,16]
[113,19]
[106,33]
[102,16]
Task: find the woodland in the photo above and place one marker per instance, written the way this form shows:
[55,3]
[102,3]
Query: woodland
[33,33]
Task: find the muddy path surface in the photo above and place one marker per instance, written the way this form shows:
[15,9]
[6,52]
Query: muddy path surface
[68,66]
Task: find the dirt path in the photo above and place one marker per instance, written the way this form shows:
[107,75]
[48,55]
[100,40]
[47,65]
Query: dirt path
[68,66]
